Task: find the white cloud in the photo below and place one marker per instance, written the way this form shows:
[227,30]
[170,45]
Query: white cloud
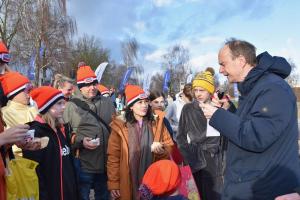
[161,3]
[211,40]
[203,61]
[155,56]
[140,26]
[193,1]
[291,51]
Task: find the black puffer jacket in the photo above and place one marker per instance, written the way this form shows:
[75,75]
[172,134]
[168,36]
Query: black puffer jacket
[55,170]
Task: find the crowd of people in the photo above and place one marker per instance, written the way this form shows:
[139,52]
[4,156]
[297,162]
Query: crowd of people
[130,145]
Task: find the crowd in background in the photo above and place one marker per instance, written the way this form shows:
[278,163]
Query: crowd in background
[130,144]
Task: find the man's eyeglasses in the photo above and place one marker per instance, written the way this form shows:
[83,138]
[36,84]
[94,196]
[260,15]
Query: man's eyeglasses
[5,57]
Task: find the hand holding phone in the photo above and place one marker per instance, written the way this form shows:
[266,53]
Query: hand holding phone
[95,141]
[220,94]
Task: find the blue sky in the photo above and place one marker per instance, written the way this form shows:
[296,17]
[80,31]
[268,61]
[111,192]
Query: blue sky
[199,25]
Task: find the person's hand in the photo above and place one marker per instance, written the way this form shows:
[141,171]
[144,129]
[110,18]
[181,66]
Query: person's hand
[30,145]
[157,148]
[115,194]
[292,196]
[220,103]
[88,144]
[208,109]
[14,134]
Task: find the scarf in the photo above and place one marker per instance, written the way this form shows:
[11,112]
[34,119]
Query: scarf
[140,155]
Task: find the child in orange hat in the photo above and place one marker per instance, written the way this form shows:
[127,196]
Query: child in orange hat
[56,173]
[161,181]
[16,88]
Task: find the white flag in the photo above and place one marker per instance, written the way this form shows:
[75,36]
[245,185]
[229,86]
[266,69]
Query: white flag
[189,78]
[100,69]
[147,82]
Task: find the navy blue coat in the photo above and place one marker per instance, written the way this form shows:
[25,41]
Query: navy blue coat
[262,155]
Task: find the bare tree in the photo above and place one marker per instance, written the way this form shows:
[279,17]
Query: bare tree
[90,50]
[157,82]
[10,18]
[40,29]
[177,61]
[130,50]
[46,25]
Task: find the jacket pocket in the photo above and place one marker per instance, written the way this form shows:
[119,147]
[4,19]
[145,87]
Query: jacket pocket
[243,175]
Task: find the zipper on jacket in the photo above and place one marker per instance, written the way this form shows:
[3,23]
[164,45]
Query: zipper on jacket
[60,168]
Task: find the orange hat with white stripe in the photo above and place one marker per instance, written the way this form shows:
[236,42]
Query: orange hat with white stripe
[13,83]
[45,97]
[133,94]
[85,75]
[3,48]
[103,90]
[4,53]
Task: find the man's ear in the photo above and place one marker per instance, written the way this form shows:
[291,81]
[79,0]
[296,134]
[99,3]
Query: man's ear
[242,60]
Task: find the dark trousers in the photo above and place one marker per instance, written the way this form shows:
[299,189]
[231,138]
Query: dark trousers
[209,180]
[98,181]
[88,181]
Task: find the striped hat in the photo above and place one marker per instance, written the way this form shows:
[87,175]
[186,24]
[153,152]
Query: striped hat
[134,93]
[4,53]
[205,80]
[13,83]
[45,97]
[85,75]
[3,48]
[102,89]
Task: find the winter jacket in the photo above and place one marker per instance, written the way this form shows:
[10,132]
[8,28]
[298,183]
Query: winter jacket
[118,170]
[84,124]
[2,167]
[262,156]
[55,171]
[173,112]
[16,113]
[194,125]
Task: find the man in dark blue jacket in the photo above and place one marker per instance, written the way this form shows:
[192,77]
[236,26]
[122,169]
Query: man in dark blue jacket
[262,155]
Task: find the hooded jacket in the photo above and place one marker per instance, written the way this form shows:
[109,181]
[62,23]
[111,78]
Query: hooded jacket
[55,170]
[262,156]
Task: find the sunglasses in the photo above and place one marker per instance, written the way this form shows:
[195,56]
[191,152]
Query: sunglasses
[5,57]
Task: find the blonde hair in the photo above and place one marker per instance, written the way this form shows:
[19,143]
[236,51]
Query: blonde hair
[59,81]
[53,123]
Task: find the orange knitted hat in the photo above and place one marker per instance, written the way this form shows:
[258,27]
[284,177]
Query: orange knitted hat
[134,93]
[161,178]
[4,53]
[85,75]
[102,89]
[3,48]
[13,83]
[45,97]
